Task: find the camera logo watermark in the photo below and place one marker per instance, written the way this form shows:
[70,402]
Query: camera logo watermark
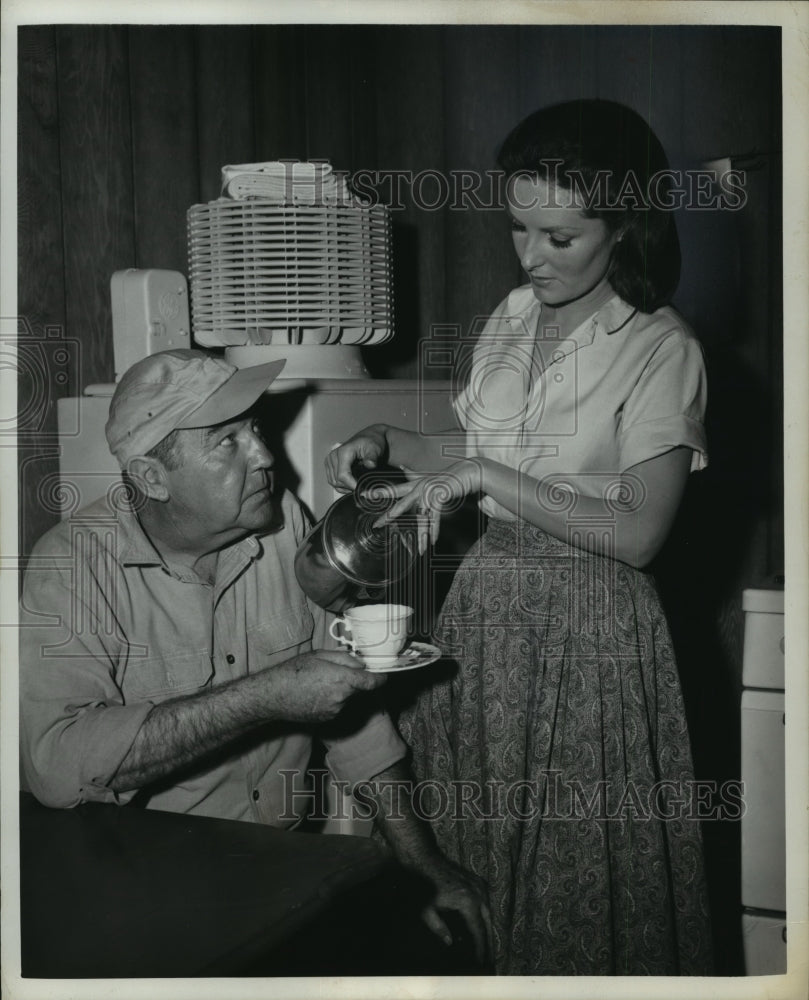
[42,361]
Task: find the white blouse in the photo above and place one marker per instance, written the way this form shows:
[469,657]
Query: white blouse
[624,387]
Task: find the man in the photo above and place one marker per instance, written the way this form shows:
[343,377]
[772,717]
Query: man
[167,650]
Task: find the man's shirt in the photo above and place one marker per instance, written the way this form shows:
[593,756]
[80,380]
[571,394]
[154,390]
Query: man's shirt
[109,629]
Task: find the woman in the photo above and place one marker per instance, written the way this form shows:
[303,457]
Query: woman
[564,723]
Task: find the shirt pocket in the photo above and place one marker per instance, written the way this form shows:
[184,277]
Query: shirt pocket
[279,635]
[180,672]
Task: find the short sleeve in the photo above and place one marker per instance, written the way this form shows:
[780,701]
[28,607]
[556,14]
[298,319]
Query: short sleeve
[666,408]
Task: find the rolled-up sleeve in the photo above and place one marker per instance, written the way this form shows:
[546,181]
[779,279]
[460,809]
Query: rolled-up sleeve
[373,744]
[366,752]
[666,408]
[75,728]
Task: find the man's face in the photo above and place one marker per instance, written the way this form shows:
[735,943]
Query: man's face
[222,489]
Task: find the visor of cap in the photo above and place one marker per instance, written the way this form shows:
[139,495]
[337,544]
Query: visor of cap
[233,397]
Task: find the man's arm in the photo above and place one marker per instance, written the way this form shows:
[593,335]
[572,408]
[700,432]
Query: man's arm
[308,689]
[412,842]
[82,741]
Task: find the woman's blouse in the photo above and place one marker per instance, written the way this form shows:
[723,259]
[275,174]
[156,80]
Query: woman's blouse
[624,387]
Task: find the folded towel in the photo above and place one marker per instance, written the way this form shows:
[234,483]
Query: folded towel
[287,182]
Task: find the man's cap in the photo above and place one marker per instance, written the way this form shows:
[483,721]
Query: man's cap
[179,389]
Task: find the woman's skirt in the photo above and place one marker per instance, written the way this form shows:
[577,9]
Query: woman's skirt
[554,762]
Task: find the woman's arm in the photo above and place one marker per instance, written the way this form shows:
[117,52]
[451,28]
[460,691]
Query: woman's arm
[407,450]
[642,503]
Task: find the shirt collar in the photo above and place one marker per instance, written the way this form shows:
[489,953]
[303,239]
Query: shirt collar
[613,315]
[523,311]
[137,549]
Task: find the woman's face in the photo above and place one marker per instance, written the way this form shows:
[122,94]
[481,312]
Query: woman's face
[565,254]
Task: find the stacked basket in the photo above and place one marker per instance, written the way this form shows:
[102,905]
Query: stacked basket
[284,270]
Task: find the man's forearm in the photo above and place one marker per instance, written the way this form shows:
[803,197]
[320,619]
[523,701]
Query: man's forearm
[178,732]
[307,689]
[409,837]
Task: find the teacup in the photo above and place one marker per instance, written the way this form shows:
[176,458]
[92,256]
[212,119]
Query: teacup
[377,632]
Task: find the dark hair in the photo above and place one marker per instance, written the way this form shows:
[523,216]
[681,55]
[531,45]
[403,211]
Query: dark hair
[609,154]
[167,450]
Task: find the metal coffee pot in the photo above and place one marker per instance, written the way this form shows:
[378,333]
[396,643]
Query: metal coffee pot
[344,557]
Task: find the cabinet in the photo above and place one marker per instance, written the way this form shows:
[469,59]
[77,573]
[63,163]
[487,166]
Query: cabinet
[763,773]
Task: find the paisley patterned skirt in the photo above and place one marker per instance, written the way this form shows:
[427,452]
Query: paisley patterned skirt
[557,761]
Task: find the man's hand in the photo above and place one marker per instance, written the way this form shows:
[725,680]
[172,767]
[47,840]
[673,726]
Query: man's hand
[464,893]
[315,686]
[413,844]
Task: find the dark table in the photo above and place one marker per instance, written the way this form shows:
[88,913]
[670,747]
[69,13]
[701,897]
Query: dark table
[115,892]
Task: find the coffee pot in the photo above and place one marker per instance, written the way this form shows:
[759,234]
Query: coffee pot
[344,558]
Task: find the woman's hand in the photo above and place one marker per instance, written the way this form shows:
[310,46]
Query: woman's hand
[368,446]
[431,495]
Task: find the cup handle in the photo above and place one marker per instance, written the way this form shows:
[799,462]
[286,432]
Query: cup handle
[341,638]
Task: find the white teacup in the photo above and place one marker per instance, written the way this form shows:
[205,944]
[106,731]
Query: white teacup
[377,632]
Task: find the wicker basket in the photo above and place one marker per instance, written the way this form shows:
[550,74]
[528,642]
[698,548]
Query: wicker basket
[268,273]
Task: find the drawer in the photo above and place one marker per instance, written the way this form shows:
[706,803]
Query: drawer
[763,823]
[765,944]
[763,657]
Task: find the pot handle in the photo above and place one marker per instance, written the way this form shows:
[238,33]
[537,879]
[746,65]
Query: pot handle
[341,638]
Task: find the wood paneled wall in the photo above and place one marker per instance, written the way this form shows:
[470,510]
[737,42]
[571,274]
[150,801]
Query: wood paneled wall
[122,128]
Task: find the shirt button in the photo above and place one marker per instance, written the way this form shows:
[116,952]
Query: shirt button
[230,658]
[255,795]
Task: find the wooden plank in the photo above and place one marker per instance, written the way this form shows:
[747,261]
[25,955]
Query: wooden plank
[666,105]
[555,64]
[758,346]
[96,168]
[409,75]
[775,343]
[740,69]
[363,58]
[224,102]
[482,91]
[624,71]
[328,94]
[730,73]
[41,291]
[165,165]
[280,93]
[42,374]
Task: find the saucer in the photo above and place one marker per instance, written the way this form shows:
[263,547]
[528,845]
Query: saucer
[417,654]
